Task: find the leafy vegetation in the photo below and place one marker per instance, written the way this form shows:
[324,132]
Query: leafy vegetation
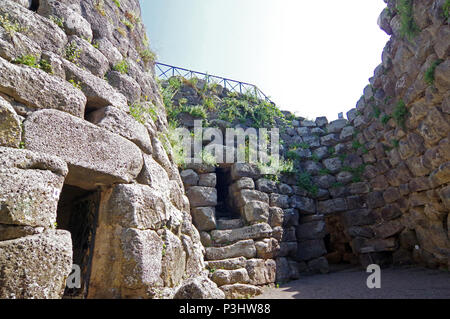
[147,55]
[304,181]
[446,9]
[121,67]
[141,112]
[73,53]
[399,114]
[408,27]
[76,84]
[117,3]
[429,73]
[27,59]
[385,119]
[45,66]
[9,26]
[99,6]
[58,21]
[357,172]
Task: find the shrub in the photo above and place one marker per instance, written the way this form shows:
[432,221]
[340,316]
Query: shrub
[147,55]
[9,26]
[73,53]
[408,27]
[141,112]
[385,119]
[304,181]
[429,73]
[76,84]
[117,3]
[27,59]
[376,111]
[58,21]
[400,113]
[121,67]
[446,9]
[45,66]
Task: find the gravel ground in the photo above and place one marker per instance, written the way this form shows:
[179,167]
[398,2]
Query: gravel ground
[348,283]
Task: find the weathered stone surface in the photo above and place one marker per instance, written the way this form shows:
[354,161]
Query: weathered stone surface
[90,58]
[228,277]
[243,183]
[244,248]
[311,249]
[119,122]
[173,261]
[256,212]
[94,155]
[303,204]
[232,263]
[200,196]
[267,248]
[199,288]
[204,218]
[440,175]
[73,23]
[30,185]
[333,164]
[189,177]
[388,229]
[240,170]
[261,272]
[332,206]
[208,180]
[8,232]
[279,200]
[248,195]
[35,266]
[223,224]
[266,185]
[137,206]
[154,175]
[41,30]
[98,92]
[358,217]
[125,84]
[37,89]
[255,231]
[10,130]
[313,230]
[237,291]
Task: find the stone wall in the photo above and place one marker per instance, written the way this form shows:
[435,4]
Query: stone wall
[81,119]
[372,188]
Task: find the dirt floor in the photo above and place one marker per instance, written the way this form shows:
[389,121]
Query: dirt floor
[348,283]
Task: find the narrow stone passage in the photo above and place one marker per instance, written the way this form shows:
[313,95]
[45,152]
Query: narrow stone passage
[346,283]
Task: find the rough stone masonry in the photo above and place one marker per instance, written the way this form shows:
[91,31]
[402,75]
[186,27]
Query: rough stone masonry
[87,174]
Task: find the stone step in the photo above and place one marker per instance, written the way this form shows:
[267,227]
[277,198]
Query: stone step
[256,231]
[240,291]
[224,277]
[243,248]
[228,264]
[224,224]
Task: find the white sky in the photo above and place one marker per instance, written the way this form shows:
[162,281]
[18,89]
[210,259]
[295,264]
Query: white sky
[311,57]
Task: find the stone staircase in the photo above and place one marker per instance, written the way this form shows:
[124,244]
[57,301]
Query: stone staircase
[232,260]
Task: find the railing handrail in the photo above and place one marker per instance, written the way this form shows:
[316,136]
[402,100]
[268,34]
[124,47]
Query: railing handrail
[172,69]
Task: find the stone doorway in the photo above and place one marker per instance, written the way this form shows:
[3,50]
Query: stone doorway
[78,213]
[225,208]
[338,242]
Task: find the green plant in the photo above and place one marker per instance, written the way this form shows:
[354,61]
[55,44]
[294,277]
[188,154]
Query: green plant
[121,67]
[395,143]
[27,59]
[376,111]
[147,55]
[324,171]
[315,157]
[342,157]
[399,114]
[331,150]
[45,66]
[73,53]
[128,23]
[385,119]
[208,158]
[9,26]
[356,144]
[209,104]
[336,185]
[304,181]
[275,167]
[408,27]
[117,3]
[76,84]
[121,31]
[141,112]
[58,21]
[429,73]
[304,145]
[446,9]
[99,6]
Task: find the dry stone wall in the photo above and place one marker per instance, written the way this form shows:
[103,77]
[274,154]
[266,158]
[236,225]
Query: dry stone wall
[371,188]
[86,174]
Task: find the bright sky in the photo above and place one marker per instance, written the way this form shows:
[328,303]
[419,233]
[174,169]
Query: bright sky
[313,58]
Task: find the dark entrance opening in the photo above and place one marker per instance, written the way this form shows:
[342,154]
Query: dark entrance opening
[77,213]
[224,208]
[34,5]
[338,242]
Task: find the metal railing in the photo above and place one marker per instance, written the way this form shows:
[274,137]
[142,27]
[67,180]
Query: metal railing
[165,71]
